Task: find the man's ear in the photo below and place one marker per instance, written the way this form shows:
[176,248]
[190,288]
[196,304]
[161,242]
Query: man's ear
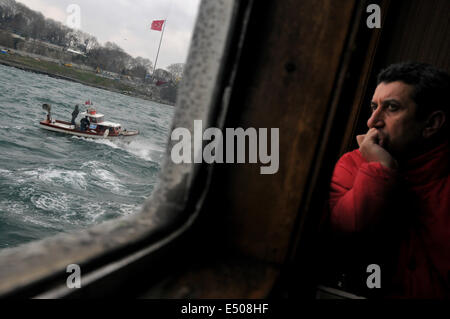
[434,123]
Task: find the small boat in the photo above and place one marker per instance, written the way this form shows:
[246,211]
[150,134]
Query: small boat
[94,127]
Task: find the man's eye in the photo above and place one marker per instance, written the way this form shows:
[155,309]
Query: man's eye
[373,107]
[392,107]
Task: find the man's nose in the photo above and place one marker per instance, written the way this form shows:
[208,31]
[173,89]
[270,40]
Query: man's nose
[376,119]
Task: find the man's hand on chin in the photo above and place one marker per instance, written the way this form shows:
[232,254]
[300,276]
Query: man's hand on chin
[372,151]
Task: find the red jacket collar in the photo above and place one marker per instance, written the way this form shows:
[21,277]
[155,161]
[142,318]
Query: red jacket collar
[429,166]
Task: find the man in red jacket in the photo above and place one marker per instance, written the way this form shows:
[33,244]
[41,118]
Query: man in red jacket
[390,198]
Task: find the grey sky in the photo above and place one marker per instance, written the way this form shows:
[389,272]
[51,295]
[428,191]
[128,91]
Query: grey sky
[127,23]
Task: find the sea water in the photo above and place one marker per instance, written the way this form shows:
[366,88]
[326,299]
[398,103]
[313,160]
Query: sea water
[52,183]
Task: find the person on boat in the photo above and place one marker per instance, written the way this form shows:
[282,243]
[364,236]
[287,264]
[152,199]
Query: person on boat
[47,107]
[390,199]
[75,113]
[84,123]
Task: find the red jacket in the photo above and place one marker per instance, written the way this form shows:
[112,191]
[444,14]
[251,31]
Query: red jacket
[406,212]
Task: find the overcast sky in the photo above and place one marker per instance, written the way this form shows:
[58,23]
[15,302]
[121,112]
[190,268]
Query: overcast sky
[127,23]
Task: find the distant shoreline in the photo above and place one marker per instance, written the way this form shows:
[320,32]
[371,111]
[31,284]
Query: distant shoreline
[67,78]
[29,69]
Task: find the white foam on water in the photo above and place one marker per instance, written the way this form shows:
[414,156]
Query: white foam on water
[109,180]
[98,141]
[141,150]
[145,150]
[26,192]
[105,175]
[105,142]
[5,172]
[52,202]
[92,164]
[95,211]
[60,208]
[22,212]
[100,212]
[50,175]
[57,206]
[127,209]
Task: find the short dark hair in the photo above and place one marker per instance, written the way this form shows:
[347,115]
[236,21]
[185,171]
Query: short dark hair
[431,85]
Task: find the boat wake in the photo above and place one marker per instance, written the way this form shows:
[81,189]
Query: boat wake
[139,148]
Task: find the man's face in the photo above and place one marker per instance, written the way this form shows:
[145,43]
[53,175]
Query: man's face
[394,117]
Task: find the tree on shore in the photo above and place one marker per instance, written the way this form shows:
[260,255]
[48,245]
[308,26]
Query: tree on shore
[19,19]
[177,70]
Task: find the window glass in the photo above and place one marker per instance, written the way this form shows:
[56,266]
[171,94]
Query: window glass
[124,60]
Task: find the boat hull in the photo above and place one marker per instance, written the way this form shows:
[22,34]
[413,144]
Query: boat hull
[67,128]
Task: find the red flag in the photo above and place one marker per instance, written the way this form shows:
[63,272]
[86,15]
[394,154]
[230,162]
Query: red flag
[157,25]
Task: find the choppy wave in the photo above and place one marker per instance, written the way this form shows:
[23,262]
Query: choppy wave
[60,177]
[52,202]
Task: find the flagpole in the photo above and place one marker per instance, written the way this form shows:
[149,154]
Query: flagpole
[160,40]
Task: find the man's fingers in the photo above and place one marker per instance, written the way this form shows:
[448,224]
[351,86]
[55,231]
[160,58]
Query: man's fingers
[360,139]
[373,135]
